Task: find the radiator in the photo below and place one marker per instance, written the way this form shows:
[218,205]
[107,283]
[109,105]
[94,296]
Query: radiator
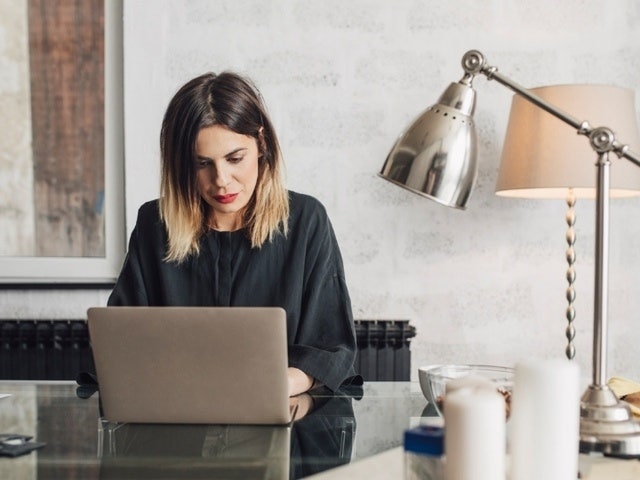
[60,349]
[384,349]
[44,349]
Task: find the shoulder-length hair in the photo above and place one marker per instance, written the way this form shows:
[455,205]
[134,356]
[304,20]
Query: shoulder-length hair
[234,102]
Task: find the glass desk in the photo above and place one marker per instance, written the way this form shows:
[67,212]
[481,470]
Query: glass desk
[337,430]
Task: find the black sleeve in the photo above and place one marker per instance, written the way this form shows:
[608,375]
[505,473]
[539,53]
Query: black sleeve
[325,343]
[130,289]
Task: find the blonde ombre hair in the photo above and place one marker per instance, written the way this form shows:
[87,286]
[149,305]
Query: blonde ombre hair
[234,102]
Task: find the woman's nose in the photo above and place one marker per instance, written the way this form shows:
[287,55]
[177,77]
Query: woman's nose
[221,177]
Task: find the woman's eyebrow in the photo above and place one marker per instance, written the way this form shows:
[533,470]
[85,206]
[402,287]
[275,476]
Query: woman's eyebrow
[230,154]
[233,152]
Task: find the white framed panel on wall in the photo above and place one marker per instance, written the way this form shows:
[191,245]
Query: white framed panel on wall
[62,160]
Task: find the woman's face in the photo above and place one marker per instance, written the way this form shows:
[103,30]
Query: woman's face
[227,173]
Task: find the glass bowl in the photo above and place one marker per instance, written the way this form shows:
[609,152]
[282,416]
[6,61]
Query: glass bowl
[434,378]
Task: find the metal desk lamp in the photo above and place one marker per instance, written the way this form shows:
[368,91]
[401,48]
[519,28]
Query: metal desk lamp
[436,158]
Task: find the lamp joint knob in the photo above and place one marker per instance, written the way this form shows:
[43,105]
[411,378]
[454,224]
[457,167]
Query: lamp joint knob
[602,139]
[473,62]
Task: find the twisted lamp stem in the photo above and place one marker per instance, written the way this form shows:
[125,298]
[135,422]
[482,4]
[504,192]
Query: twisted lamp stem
[570,331]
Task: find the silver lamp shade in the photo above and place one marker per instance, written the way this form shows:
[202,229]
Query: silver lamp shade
[436,156]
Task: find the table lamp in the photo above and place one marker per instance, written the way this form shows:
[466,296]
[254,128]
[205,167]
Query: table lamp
[541,159]
[436,158]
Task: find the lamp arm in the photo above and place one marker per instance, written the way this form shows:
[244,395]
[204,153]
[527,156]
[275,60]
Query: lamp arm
[602,138]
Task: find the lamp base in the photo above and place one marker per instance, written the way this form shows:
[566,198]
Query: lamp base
[607,425]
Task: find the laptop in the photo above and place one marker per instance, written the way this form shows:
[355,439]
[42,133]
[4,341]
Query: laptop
[191,365]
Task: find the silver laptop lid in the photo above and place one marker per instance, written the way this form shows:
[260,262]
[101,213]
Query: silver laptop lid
[215,365]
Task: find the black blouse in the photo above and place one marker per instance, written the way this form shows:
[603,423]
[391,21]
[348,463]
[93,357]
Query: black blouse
[302,273]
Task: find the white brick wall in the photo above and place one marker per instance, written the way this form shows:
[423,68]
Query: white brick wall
[341,80]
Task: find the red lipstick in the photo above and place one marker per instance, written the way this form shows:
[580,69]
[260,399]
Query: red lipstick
[225,198]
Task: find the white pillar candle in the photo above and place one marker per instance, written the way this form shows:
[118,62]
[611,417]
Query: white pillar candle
[545,421]
[474,438]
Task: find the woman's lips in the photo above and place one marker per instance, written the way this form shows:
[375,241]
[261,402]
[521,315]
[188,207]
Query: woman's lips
[226,198]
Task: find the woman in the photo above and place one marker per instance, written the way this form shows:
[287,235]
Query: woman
[225,231]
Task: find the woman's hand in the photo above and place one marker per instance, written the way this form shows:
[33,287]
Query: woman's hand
[299,381]
[304,404]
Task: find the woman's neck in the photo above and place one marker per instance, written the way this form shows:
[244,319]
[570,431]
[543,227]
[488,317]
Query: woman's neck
[226,222]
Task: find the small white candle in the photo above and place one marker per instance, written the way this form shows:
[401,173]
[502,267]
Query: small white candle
[545,421]
[474,439]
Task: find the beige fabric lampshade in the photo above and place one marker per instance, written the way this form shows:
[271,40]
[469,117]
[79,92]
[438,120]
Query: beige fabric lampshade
[542,156]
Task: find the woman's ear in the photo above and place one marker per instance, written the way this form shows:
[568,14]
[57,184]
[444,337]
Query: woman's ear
[262,145]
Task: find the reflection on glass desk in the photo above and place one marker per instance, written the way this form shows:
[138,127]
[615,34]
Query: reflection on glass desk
[337,429]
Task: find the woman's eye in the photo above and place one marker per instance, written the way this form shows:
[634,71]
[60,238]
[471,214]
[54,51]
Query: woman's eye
[235,159]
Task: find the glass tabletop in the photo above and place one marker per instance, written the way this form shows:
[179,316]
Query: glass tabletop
[337,429]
